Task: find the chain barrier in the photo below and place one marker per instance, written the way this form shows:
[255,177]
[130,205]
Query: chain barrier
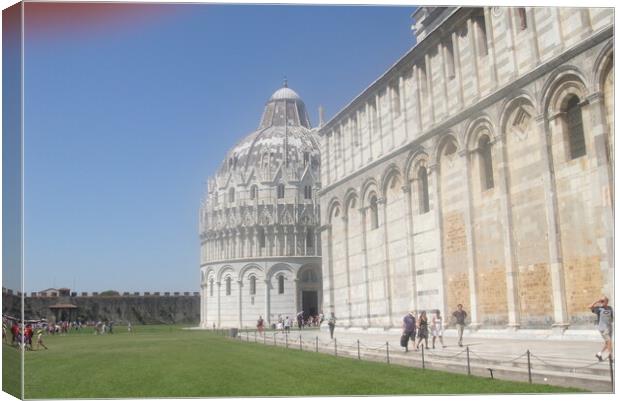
[564,366]
[497,360]
[313,344]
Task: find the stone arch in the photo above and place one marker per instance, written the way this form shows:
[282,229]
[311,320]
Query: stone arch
[442,143]
[225,270]
[523,100]
[566,80]
[279,268]
[603,62]
[334,205]
[350,196]
[476,128]
[388,175]
[413,162]
[247,270]
[309,266]
[369,187]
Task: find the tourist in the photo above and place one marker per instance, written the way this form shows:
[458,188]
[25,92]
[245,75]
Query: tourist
[14,332]
[437,328]
[604,324]
[280,325]
[28,337]
[460,315]
[111,327]
[40,339]
[422,330]
[287,325]
[408,330]
[321,318]
[260,325]
[300,319]
[332,325]
[129,327]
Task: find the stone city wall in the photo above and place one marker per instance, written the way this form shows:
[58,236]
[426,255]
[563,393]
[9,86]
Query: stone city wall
[138,308]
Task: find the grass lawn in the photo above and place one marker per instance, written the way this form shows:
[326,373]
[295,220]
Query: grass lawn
[165,361]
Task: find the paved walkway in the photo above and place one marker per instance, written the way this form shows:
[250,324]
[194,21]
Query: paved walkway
[552,361]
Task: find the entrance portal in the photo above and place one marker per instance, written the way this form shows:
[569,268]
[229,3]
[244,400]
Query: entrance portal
[310,303]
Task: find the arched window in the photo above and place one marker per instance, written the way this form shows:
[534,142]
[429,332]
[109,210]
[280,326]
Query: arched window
[280,284]
[253,285]
[307,192]
[231,195]
[486,163]
[215,198]
[522,18]
[481,27]
[574,127]
[423,190]
[309,237]
[211,287]
[261,237]
[228,286]
[306,158]
[449,57]
[374,213]
[395,91]
[253,192]
[280,191]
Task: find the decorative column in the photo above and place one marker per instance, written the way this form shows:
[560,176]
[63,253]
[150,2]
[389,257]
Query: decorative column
[267,300]
[402,89]
[365,265]
[295,232]
[386,263]
[556,265]
[379,122]
[240,309]
[471,243]
[203,301]
[410,246]
[345,221]
[219,304]
[434,173]
[297,290]
[475,51]
[512,272]
[604,202]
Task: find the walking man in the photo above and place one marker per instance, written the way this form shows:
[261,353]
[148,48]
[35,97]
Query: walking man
[300,319]
[460,315]
[332,325]
[408,330]
[604,324]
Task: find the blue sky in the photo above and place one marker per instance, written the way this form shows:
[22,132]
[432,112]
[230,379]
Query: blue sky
[125,122]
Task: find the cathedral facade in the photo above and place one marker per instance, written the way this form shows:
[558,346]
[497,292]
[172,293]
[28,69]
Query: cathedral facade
[477,170]
[260,243]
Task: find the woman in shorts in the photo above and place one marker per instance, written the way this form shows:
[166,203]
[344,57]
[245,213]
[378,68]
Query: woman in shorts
[437,328]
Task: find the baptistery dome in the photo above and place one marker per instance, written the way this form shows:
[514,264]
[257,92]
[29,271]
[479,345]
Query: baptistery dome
[259,220]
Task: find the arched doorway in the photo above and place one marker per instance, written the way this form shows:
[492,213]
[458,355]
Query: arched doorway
[310,290]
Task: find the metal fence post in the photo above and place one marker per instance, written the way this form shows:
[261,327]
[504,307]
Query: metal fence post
[274,338]
[335,347]
[423,364]
[300,346]
[468,366]
[387,351]
[611,372]
[358,349]
[286,338]
[255,338]
[317,343]
[529,368]
[247,336]
[264,338]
